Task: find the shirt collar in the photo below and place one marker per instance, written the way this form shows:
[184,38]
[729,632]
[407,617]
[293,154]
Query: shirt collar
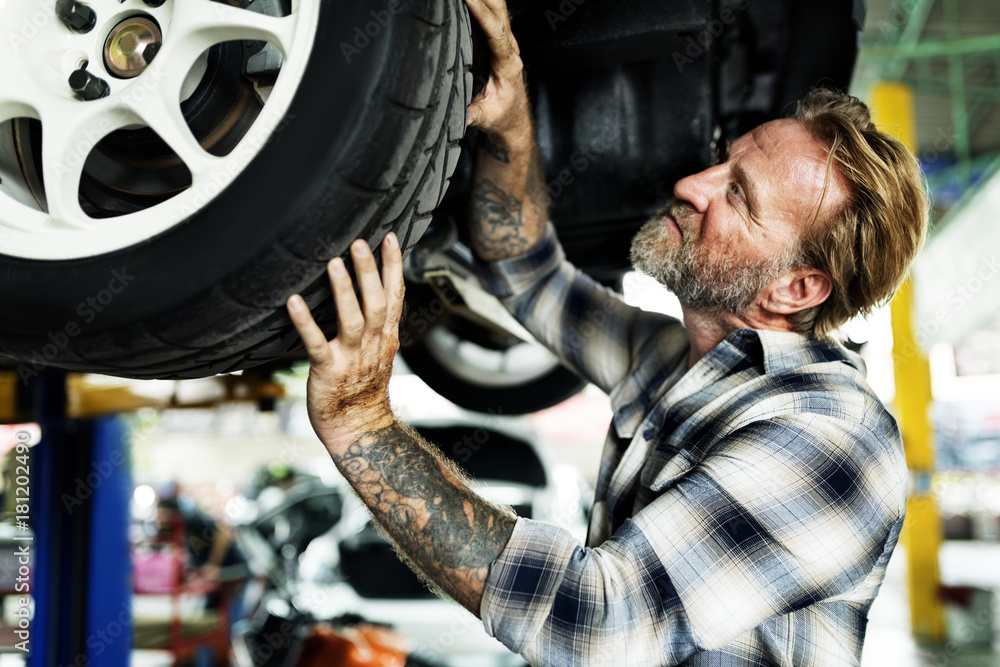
[776,351]
[784,350]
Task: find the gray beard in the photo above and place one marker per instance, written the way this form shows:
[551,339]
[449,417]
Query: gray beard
[724,285]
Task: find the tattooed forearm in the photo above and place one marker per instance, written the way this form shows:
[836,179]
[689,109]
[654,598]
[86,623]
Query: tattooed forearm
[509,202]
[451,534]
[494,151]
[497,221]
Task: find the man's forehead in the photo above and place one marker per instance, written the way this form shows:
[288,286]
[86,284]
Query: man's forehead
[785,138]
[791,169]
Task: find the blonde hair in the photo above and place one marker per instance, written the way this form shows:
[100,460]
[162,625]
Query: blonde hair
[868,245]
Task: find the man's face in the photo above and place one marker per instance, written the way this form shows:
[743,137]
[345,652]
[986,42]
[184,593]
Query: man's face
[734,228]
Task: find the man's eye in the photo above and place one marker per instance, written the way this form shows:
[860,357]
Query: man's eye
[734,188]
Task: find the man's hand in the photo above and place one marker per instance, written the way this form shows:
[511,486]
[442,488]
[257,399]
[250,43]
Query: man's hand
[501,108]
[349,375]
[508,172]
[450,534]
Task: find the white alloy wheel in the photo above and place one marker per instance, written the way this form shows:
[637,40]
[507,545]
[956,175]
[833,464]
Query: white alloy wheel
[40,52]
[158,208]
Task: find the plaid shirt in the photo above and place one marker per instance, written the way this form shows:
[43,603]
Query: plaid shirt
[745,510]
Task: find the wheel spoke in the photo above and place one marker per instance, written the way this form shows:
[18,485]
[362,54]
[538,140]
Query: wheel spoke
[203,23]
[163,114]
[69,133]
[64,150]
[53,224]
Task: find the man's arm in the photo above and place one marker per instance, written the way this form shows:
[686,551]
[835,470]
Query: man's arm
[769,523]
[509,206]
[449,533]
[588,327]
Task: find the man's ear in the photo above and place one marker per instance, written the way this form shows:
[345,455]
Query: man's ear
[799,289]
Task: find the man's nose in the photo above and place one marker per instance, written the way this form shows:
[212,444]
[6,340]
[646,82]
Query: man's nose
[697,189]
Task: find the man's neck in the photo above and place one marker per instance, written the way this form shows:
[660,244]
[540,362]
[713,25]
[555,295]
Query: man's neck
[706,330]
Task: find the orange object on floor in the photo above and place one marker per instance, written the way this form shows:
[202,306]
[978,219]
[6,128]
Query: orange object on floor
[362,645]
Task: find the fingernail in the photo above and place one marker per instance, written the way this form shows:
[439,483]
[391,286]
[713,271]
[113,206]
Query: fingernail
[360,248]
[392,240]
[337,267]
[295,302]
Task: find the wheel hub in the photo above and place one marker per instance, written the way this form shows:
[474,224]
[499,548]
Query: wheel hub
[130,47]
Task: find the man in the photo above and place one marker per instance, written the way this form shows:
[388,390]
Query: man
[752,487]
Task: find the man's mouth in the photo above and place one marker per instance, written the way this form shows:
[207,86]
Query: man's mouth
[671,222]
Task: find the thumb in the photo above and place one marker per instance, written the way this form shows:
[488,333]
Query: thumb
[475,115]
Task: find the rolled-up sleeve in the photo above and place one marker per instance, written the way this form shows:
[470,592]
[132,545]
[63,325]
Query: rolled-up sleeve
[588,326]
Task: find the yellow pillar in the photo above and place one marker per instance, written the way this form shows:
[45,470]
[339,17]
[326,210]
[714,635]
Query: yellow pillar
[892,106]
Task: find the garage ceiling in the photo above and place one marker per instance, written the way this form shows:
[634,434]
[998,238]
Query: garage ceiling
[948,51]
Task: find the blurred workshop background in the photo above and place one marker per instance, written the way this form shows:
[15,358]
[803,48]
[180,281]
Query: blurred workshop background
[241,534]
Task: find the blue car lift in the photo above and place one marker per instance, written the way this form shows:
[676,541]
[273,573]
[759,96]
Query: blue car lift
[80,488]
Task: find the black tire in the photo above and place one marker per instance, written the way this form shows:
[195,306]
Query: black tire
[368,147]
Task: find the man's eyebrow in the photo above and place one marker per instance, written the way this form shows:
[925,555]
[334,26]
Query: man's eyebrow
[747,185]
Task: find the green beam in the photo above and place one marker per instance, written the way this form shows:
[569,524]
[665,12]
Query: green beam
[909,36]
[984,94]
[978,114]
[937,49]
[959,110]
